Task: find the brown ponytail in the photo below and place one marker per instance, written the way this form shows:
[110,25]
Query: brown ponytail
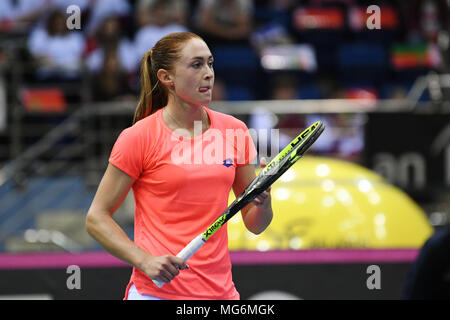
[163,55]
[145,101]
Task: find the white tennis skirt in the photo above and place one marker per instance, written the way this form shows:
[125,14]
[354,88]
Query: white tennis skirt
[133,294]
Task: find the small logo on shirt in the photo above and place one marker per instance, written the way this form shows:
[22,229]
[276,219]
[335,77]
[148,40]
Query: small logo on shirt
[228,162]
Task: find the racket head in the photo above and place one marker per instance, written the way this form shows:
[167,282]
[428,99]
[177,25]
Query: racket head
[293,151]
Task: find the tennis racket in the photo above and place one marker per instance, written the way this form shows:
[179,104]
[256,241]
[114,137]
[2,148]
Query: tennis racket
[268,175]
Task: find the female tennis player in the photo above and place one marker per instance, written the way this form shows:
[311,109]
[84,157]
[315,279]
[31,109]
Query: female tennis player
[176,200]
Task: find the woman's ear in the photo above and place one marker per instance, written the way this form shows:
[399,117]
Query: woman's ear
[165,78]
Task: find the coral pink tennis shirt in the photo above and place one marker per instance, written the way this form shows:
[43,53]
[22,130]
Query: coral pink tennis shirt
[181,187]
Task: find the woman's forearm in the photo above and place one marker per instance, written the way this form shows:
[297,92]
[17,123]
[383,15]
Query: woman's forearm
[110,235]
[258,218]
[103,228]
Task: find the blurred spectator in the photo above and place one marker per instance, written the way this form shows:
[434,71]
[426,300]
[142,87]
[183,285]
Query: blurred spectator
[102,9]
[430,24]
[3,59]
[324,3]
[349,130]
[21,15]
[331,88]
[282,4]
[110,82]
[433,18]
[57,50]
[159,26]
[3,105]
[64,4]
[271,34]
[224,21]
[284,87]
[398,93]
[3,99]
[109,38]
[178,11]
[425,19]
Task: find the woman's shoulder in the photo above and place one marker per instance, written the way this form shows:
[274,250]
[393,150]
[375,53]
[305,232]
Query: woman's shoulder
[141,136]
[143,128]
[226,120]
[146,123]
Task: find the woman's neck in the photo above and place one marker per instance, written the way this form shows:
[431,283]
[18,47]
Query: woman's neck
[185,116]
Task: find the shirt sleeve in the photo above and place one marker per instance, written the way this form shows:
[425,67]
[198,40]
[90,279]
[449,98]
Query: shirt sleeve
[128,154]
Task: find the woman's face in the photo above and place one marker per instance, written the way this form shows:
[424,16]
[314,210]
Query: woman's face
[193,74]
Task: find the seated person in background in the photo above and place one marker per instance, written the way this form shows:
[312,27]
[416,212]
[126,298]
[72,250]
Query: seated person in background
[177,11]
[100,9]
[57,51]
[109,38]
[63,5]
[110,83]
[224,21]
[159,25]
[21,15]
[4,57]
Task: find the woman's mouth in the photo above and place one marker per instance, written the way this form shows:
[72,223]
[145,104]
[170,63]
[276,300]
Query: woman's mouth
[204,89]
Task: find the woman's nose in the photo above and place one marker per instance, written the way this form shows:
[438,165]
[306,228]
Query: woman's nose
[209,73]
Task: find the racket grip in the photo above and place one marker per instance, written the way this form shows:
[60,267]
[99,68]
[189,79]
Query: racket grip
[186,253]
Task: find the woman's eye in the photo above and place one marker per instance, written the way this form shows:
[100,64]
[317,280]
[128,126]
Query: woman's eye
[199,65]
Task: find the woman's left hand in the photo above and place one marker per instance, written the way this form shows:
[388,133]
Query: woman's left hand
[264,199]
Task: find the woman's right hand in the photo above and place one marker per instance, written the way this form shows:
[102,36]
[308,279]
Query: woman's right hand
[163,268]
